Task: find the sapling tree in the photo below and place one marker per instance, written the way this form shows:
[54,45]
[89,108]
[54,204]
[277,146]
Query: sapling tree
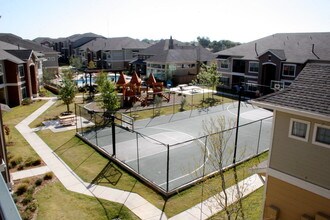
[68,89]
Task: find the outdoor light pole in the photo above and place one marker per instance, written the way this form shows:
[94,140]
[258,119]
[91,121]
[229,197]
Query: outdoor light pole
[240,90]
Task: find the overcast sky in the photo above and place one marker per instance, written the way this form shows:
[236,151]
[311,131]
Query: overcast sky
[185,20]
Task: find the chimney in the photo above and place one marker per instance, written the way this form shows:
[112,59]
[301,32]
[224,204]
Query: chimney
[170,43]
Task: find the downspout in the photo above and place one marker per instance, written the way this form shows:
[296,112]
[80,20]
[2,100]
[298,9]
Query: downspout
[255,48]
[314,52]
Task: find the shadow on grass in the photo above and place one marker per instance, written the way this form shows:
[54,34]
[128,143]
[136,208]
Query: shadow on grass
[109,174]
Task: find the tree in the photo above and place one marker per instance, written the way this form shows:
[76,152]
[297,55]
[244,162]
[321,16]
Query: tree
[218,136]
[204,41]
[68,90]
[76,62]
[91,65]
[108,95]
[208,76]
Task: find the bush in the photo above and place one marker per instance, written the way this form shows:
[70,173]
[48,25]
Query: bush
[30,190]
[20,167]
[14,196]
[26,101]
[21,188]
[30,161]
[32,207]
[15,161]
[27,199]
[38,182]
[27,215]
[48,176]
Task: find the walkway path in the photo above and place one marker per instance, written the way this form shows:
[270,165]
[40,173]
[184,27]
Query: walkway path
[138,205]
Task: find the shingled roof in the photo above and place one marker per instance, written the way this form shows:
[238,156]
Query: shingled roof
[21,54]
[116,43]
[309,93]
[293,47]
[23,43]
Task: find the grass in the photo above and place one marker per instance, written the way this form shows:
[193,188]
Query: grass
[252,206]
[55,202]
[88,163]
[20,147]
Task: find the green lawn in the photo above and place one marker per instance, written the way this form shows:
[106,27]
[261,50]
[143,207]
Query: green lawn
[20,147]
[252,206]
[55,202]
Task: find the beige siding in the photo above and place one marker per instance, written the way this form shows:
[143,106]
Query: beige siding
[293,201]
[300,159]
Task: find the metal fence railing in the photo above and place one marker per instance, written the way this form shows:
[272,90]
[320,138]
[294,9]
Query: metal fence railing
[171,165]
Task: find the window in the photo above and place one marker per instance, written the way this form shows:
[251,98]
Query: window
[224,80]
[289,70]
[21,71]
[299,129]
[23,90]
[254,67]
[224,64]
[321,135]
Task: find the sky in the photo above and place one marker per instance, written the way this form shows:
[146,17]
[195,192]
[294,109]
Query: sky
[184,20]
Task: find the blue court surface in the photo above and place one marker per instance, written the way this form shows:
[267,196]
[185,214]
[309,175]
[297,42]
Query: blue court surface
[191,154]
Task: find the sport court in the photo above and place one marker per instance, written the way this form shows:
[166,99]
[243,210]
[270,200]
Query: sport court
[173,151]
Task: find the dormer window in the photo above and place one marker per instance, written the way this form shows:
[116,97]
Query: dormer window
[289,70]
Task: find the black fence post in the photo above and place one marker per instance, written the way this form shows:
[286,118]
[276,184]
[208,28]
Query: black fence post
[168,168]
[113,126]
[240,89]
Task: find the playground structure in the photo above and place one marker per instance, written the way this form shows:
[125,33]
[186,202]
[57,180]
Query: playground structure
[133,91]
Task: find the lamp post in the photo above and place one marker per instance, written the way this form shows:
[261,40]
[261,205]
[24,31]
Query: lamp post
[240,90]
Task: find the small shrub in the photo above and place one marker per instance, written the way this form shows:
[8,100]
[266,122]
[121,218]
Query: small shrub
[36,162]
[26,180]
[15,161]
[20,167]
[28,198]
[30,161]
[48,176]
[15,198]
[38,182]
[27,215]
[32,207]
[26,101]
[30,190]
[21,188]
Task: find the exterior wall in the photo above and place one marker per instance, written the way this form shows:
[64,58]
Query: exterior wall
[51,60]
[298,158]
[292,201]
[11,72]
[270,58]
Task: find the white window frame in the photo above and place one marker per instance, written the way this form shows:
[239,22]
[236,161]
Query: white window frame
[250,62]
[294,72]
[19,73]
[314,141]
[221,60]
[292,120]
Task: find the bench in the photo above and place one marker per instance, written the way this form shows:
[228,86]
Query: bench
[67,120]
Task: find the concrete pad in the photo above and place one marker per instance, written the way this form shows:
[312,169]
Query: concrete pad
[30,172]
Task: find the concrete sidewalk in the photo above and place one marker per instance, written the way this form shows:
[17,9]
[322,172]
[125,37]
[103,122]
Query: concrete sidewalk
[138,205]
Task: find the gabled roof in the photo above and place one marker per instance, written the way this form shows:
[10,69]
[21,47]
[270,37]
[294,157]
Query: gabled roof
[279,53]
[182,55]
[297,47]
[7,46]
[116,43]
[27,44]
[309,93]
[21,54]
[7,56]
[161,46]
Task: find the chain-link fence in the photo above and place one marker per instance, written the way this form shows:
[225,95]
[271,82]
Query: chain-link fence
[171,160]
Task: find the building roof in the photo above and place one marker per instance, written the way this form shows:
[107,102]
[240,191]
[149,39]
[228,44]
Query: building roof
[182,55]
[22,43]
[162,45]
[294,47]
[7,56]
[116,43]
[309,93]
[21,54]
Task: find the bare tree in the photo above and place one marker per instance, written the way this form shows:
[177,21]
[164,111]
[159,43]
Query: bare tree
[218,144]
